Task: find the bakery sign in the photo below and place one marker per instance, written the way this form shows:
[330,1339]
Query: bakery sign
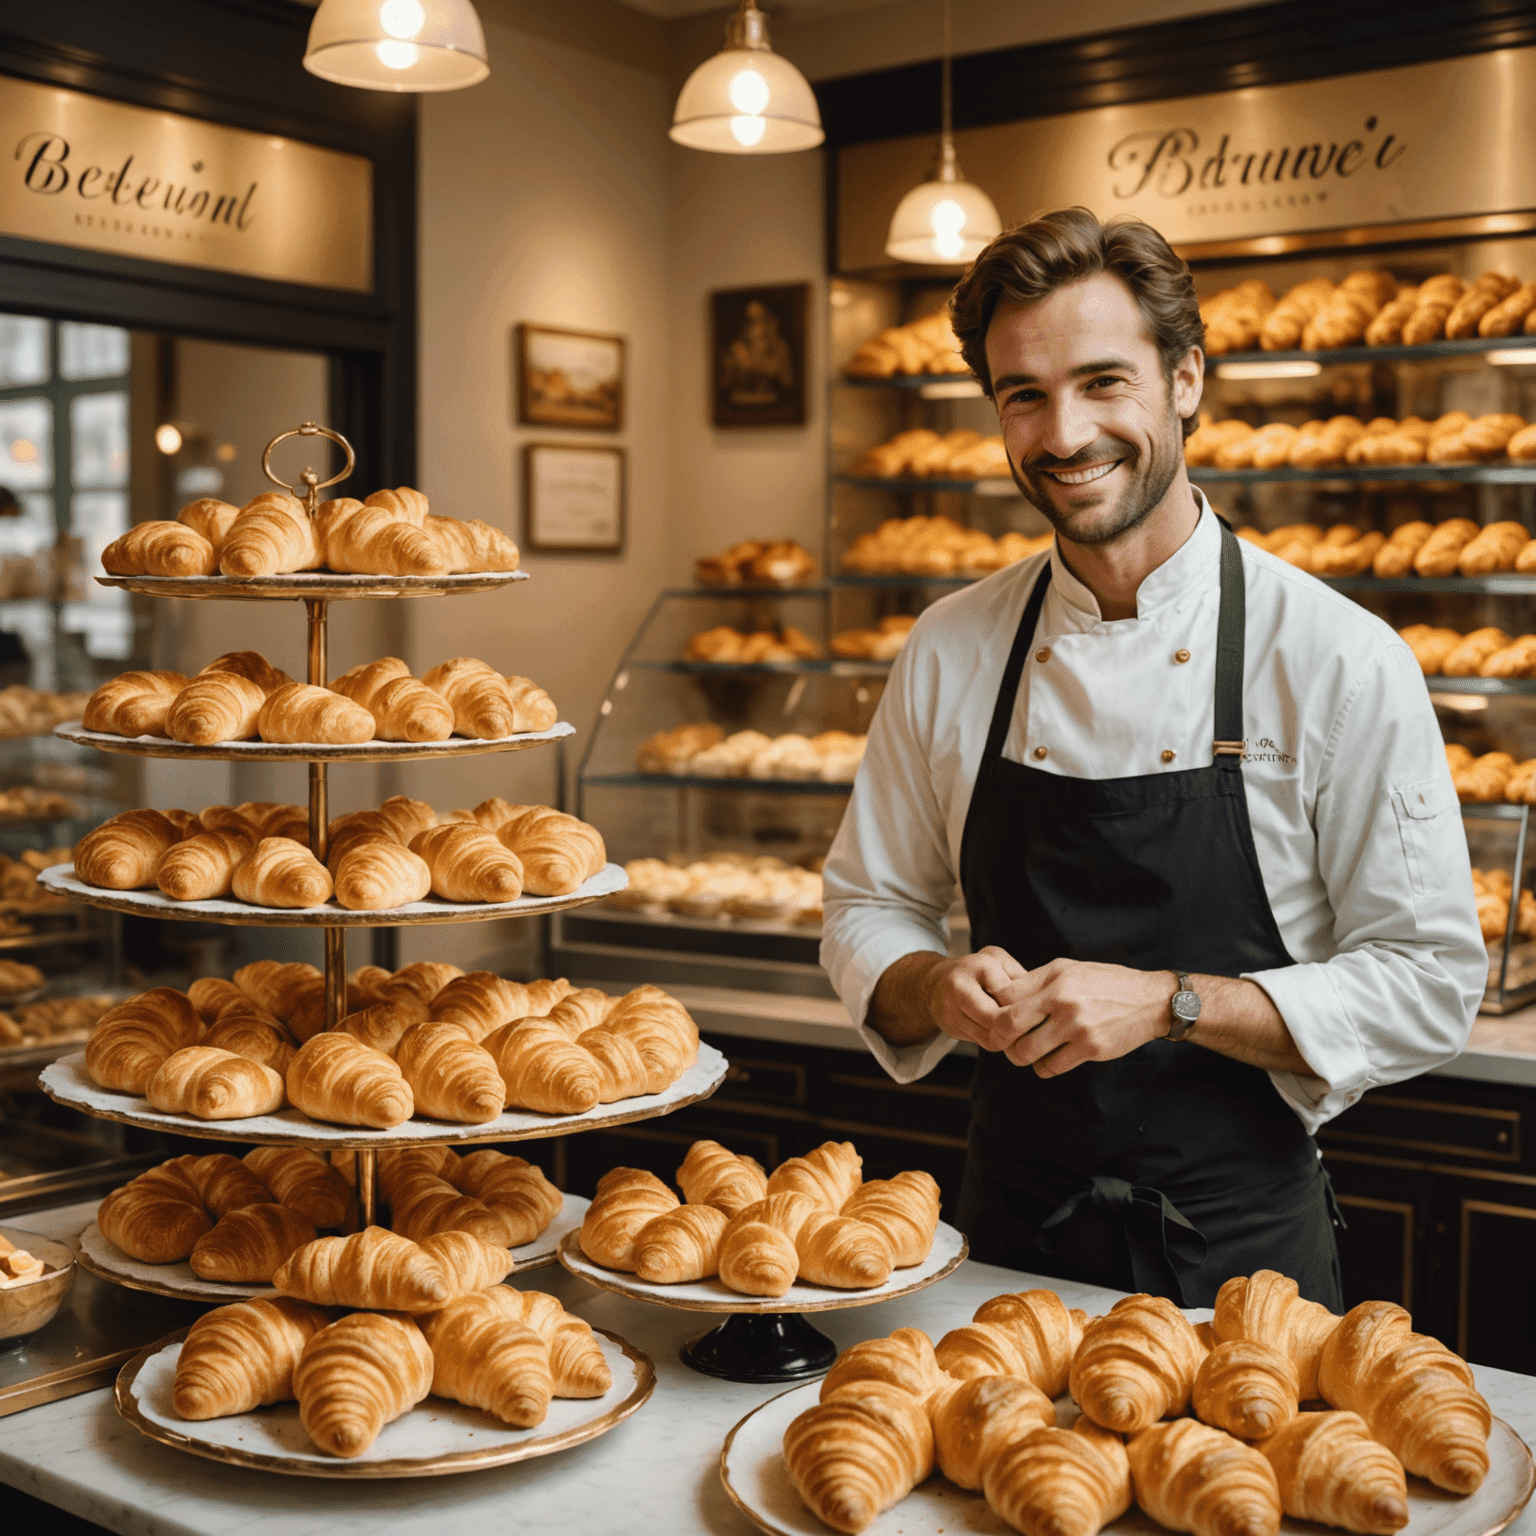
[1424,142]
[78,170]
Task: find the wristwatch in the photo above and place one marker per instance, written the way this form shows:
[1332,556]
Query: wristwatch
[1186,1009]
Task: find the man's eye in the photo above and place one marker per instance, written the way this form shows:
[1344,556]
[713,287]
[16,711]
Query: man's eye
[1105,379]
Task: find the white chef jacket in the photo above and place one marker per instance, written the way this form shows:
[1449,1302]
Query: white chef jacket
[1355,819]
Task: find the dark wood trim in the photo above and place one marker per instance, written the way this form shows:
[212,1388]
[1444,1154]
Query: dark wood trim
[1196,55]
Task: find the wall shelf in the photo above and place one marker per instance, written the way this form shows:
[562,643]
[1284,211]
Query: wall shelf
[1505,584]
[1425,352]
[639,780]
[1357,474]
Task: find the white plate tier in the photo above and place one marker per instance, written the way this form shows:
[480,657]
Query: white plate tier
[305,584]
[376,751]
[67,1082]
[949,1248]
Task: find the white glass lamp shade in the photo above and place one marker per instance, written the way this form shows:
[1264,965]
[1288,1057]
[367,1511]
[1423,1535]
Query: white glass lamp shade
[397,45]
[941,223]
[747,101]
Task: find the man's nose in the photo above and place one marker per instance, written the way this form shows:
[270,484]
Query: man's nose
[1067,426]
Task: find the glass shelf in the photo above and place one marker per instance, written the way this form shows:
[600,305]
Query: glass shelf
[698,781]
[1425,352]
[1465,474]
[837,666]
[1488,685]
[1492,810]
[993,485]
[1506,584]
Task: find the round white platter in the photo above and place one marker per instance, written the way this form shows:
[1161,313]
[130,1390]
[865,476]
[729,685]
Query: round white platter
[67,1082]
[109,1262]
[949,1248]
[374,751]
[433,1438]
[60,879]
[755,1476]
[310,584]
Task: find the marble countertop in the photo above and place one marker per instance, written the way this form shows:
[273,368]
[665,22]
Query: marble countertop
[656,1473]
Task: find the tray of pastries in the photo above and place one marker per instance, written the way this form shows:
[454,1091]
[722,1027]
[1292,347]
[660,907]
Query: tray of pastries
[757,563]
[705,751]
[937,546]
[229,863]
[1452,439]
[735,887]
[52,1021]
[28,711]
[426,1054]
[1488,652]
[1275,1415]
[240,705]
[1493,778]
[920,453]
[724,646]
[217,1228]
[812,1236]
[882,643]
[1455,547]
[381,1357]
[922,347]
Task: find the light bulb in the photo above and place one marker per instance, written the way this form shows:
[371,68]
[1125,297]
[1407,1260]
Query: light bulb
[748,93]
[167,438]
[393,54]
[748,131]
[402,18]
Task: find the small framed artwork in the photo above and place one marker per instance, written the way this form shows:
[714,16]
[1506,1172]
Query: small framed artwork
[757,356]
[569,378]
[573,499]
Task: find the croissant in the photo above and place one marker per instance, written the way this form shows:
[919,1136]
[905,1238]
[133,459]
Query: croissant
[542,1070]
[758,1256]
[1329,1469]
[301,712]
[829,1175]
[423,979]
[1417,1397]
[123,854]
[478,694]
[1028,1333]
[397,1166]
[159,549]
[1136,1364]
[515,1191]
[284,990]
[202,867]
[680,1245]
[485,1359]
[421,1204]
[905,1360]
[469,864]
[480,1002]
[1060,1482]
[272,535]
[1247,1389]
[1190,1477]
[375,875]
[558,852]
[842,1251]
[336,1077]
[904,1209]
[357,1375]
[858,1453]
[216,706]
[304,1181]
[626,1199]
[451,1077]
[157,1217]
[383,1025]
[469,544]
[247,1245]
[657,1032]
[1267,1308]
[254,1036]
[243,1356]
[132,703]
[575,1356]
[224,1184]
[980,1419]
[532,707]
[212,1084]
[466,1262]
[278,872]
[372,1268]
[711,1175]
[585,1009]
[132,1041]
[403,708]
[377,541]
[1440,552]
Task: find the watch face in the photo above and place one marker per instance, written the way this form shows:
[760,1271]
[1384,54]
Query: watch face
[1186,1005]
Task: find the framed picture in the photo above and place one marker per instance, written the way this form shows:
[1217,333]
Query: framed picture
[573,499]
[757,356]
[569,378]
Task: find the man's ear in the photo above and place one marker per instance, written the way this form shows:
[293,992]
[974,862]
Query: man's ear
[1188,383]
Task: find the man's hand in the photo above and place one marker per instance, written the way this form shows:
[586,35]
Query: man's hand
[1071,1011]
[921,994]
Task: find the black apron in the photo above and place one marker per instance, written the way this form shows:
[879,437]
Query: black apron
[1172,1168]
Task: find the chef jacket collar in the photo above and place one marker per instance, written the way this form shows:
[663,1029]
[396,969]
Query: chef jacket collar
[1183,575]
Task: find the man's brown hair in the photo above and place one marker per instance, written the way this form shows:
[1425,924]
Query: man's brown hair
[1025,264]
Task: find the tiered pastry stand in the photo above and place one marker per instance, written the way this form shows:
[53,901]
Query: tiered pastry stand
[67,1081]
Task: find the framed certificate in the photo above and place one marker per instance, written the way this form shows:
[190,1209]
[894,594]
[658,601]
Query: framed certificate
[573,499]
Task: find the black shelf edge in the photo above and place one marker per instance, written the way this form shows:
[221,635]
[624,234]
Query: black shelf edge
[1504,585]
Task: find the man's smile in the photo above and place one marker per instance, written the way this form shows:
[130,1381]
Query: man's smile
[1081,476]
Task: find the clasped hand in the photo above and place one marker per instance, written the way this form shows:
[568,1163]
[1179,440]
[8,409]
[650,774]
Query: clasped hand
[1053,1018]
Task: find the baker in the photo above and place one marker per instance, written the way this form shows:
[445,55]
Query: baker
[1196,803]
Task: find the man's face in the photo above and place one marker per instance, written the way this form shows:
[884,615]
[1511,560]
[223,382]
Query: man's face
[1091,425]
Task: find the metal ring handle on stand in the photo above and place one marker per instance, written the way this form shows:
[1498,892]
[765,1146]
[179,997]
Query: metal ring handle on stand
[308,478]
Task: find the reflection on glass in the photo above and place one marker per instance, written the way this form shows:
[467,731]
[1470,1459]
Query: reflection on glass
[99,427]
[23,350]
[33,531]
[26,444]
[96,518]
[92,351]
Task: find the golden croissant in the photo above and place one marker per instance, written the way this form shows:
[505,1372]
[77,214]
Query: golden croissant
[383,1025]
[1331,1470]
[467,1263]
[158,1217]
[1026,1333]
[1267,1307]
[132,1041]
[1136,1364]
[1190,1477]
[336,1077]
[124,853]
[980,1419]
[559,853]
[469,864]
[828,1175]
[212,1084]
[485,1359]
[625,1200]
[272,535]
[202,867]
[480,1002]
[159,549]
[512,1189]
[842,1251]
[478,694]
[359,1374]
[376,541]
[403,707]
[680,1245]
[223,702]
[1247,1389]
[657,1029]
[905,1209]
[375,875]
[758,1256]
[372,1268]
[303,1180]
[133,703]
[1060,1482]
[469,544]
[575,1356]
[904,1360]
[302,712]
[211,518]
[542,1070]
[451,1077]
[422,1203]
[243,1356]
[258,1039]
[248,1245]
[711,1175]
[224,1184]
[858,1452]
[279,872]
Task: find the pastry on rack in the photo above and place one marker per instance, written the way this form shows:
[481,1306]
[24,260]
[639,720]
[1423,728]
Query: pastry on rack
[403,707]
[124,852]
[559,853]
[213,1084]
[756,562]
[359,1374]
[380,1269]
[375,874]
[924,346]
[336,1077]
[725,646]
[133,703]
[882,643]
[383,537]
[279,872]
[243,1356]
[485,1359]
[158,1217]
[273,535]
[248,1245]
[132,1041]
[468,863]
[159,549]
[304,1181]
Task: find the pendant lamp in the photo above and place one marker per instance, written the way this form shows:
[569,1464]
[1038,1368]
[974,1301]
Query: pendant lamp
[947,219]
[397,45]
[747,100]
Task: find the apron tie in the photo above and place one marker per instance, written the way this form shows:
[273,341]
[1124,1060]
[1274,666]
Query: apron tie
[1165,1247]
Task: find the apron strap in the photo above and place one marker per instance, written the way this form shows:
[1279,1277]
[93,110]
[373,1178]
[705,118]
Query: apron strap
[1008,692]
[1230,636]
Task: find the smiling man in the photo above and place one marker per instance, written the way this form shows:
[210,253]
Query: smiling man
[1197,807]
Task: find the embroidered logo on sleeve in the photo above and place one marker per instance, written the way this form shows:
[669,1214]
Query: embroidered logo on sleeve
[1265,751]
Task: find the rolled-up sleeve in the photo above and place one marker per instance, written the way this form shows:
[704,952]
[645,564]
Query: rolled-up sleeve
[888,880]
[1399,995]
